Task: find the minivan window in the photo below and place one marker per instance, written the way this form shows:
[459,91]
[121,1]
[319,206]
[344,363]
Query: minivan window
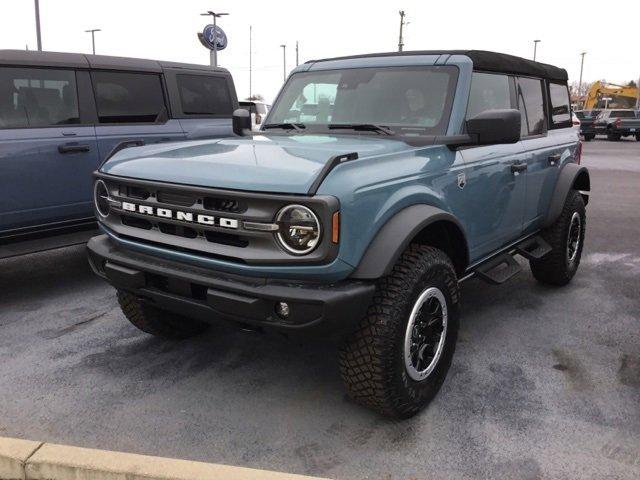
[37,97]
[488,92]
[410,100]
[531,105]
[560,105]
[204,95]
[128,97]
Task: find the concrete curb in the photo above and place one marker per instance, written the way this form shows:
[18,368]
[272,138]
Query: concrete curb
[27,460]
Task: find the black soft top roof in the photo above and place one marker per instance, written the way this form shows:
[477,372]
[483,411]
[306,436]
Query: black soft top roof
[102,62]
[483,60]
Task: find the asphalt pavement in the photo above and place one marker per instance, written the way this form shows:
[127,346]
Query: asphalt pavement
[545,382]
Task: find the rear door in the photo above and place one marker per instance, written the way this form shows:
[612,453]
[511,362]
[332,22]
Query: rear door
[47,151]
[546,141]
[132,106]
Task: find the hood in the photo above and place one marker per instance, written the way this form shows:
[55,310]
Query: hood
[273,163]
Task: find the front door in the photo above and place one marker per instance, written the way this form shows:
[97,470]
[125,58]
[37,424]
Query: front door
[495,182]
[46,154]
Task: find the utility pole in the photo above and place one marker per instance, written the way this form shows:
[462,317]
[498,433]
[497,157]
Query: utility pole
[93,38]
[284,63]
[214,53]
[297,53]
[250,61]
[535,49]
[38,35]
[400,40]
[638,101]
[580,81]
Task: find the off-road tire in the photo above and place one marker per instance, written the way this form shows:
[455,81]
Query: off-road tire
[157,322]
[371,360]
[555,268]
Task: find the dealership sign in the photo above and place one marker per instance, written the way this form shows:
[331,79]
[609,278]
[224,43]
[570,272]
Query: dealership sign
[211,36]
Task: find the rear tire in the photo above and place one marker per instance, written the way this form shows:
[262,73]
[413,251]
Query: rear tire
[398,358]
[614,137]
[589,136]
[566,237]
[157,322]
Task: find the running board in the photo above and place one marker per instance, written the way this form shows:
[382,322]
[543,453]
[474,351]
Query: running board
[498,270]
[534,248]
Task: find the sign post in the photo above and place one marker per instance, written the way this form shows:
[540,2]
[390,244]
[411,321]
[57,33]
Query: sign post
[213,38]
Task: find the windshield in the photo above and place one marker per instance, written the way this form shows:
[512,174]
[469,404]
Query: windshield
[409,100]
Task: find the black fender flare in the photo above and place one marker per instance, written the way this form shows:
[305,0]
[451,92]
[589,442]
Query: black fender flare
[397,233]
[572,176]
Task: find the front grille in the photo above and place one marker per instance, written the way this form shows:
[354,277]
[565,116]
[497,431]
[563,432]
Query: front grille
[209,221]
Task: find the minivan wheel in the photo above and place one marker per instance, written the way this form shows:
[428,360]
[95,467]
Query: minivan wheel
[397,359]
[566,237]
[157,322]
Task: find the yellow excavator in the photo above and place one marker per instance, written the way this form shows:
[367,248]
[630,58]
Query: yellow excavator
[610,95]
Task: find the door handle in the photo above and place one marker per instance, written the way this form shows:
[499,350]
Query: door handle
[516,168]
[74,148]
[553,159]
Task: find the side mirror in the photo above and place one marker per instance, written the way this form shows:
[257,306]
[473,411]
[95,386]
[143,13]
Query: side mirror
[241,122]
[495,126]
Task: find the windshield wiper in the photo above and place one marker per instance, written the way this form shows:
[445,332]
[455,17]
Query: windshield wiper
[298,127]
[366,127]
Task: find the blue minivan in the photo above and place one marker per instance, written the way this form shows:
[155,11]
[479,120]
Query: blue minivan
[62,114]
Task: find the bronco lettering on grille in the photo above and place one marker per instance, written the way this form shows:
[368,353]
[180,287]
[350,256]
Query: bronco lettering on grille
[181,216]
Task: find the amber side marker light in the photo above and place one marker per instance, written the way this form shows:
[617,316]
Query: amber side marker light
[335,227]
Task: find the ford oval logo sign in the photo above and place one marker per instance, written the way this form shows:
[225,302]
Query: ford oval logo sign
[217,35]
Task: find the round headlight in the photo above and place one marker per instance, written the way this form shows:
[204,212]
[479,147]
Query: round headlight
[101,198]
[299,231]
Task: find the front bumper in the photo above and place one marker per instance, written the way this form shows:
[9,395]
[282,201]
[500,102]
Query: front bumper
[326,310]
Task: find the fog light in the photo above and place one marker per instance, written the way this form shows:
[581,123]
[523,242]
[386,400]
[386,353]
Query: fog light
[282,309]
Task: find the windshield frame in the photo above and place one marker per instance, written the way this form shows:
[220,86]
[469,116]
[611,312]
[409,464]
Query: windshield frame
[399,131]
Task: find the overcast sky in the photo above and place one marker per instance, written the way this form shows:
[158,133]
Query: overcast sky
[166,30]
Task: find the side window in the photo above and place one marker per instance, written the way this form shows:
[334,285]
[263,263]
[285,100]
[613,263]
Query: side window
[488,92]
[531,105]
[37,97]
[560,105]
[128,97]
[205,95]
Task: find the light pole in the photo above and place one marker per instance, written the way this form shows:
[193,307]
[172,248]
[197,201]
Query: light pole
[38,36]
[400,40]
[297,53]
[284,62]
[535,49]
[580,81]
[250,60]
[214,52]
[93,38]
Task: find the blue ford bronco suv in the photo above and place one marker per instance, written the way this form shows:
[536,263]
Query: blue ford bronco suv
[376,184]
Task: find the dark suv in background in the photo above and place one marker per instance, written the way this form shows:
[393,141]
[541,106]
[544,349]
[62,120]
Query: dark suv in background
[587,119]
[618,123]
[61,115]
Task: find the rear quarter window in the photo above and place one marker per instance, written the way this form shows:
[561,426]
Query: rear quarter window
[560,106]
[204,95]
